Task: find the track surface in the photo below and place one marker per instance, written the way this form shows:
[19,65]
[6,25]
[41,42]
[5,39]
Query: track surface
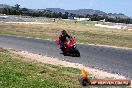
[114,60]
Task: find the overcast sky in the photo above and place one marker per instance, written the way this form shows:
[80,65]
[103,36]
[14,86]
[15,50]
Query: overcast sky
[108,6]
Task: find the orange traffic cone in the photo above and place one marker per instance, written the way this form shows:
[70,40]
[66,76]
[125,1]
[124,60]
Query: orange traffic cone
[84,73]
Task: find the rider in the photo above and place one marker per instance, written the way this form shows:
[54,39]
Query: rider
[63,37]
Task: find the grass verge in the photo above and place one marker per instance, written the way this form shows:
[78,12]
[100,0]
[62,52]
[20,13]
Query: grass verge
[15,73]
[84,34]
[18,73]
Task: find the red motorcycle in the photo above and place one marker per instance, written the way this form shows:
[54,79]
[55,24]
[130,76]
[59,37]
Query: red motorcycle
[70,47]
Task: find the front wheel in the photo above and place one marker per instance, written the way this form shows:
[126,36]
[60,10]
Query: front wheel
[76,52]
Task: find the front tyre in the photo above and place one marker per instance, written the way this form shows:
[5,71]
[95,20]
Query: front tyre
[76,52]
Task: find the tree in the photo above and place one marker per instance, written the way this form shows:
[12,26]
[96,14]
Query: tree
[94,17]
[60,15]
[65,16]
[66,13]
[17,6]
[4,11]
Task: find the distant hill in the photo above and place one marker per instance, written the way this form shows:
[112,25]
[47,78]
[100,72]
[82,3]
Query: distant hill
[79,11]
[82,12]
[4,6]
[87,11]
[115,15]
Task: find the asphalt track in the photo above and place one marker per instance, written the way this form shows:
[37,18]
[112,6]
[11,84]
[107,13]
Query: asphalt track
[114,60]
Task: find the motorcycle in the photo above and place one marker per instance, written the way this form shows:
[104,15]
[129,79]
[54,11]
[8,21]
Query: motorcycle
[69,47]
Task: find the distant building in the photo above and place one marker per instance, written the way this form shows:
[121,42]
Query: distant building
[81,19]
[111,27]
[3,17]
[71,18]
[102,20]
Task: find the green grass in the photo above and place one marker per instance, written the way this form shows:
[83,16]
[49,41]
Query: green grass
[87,34]
[15,73]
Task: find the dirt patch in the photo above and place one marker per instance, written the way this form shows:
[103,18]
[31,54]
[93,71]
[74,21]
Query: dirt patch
[28,23]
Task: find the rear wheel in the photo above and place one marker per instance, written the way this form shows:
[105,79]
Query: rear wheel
[63,51]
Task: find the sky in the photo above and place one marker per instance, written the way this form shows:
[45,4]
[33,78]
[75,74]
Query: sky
[108,6]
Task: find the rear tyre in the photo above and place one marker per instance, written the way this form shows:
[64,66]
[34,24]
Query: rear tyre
[64,53]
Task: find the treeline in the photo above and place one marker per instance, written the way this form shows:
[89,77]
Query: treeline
[16,10]
[115,19]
